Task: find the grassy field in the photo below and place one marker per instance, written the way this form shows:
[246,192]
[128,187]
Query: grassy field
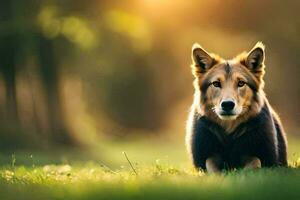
[158,172]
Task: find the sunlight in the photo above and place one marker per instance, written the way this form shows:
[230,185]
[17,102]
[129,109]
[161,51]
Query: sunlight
[75,29]
[130,25]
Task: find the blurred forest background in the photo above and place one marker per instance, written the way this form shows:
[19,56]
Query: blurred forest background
[78,73]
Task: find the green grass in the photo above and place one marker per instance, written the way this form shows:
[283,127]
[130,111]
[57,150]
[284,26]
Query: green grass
[152,182]
[162,172]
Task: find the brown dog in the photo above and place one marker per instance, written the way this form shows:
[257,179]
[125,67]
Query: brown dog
[231,123]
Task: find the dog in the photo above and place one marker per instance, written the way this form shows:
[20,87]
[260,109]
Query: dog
[231,124]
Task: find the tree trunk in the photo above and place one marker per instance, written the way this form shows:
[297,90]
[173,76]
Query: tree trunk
[49,74]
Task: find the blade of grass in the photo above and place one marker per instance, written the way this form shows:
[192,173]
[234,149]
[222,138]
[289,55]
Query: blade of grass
[130,163]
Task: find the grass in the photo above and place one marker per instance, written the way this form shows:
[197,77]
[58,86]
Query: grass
[152,182]
[140,175]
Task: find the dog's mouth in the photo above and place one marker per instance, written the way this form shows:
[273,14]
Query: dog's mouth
[227,115]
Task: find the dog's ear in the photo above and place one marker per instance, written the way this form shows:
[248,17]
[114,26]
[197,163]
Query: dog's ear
[256,57]
[202,60]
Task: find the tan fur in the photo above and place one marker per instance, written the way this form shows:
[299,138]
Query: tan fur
[212,164]
[241,71]
[252,163]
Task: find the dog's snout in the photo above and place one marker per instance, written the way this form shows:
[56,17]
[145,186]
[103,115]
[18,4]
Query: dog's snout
[227,106]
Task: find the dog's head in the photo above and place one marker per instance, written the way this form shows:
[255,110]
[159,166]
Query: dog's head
[228,89]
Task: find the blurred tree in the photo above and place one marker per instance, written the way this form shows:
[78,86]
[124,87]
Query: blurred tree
[16,23]
[49,73]
[8,52]
[9,43]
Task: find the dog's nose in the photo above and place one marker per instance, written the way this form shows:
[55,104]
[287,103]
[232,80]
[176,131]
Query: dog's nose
[227,105]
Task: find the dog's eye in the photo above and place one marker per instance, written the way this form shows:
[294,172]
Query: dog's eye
[216,84]
[241,83]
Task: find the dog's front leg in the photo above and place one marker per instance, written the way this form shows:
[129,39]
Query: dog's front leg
[213,164]
[251,162]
